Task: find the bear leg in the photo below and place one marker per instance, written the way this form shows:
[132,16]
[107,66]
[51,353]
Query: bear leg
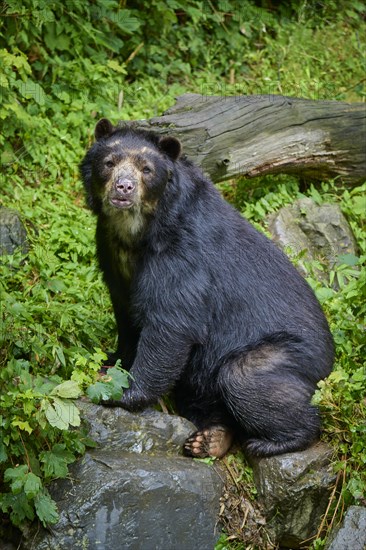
[267,393]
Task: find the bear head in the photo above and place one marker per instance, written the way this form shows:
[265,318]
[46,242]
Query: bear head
[127,168]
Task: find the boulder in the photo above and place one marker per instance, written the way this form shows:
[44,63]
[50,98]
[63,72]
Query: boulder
[138,502]
[12,232]
[351,535]
[294,490]
[134,492]
[321,232]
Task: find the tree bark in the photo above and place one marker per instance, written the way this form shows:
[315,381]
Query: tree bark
[267,134]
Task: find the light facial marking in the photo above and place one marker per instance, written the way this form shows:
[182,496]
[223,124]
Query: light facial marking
[126,227]
[129,223]
[117,143]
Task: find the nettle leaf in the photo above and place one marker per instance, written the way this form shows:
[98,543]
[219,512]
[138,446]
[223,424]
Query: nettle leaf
[32,90]
[46,508]
[68,390]
[61,413]
[32,485]
[55,462]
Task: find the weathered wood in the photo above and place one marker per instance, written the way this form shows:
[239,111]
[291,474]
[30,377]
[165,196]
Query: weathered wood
[268,134]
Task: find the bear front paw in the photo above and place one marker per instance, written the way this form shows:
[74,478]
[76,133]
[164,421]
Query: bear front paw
[133,400]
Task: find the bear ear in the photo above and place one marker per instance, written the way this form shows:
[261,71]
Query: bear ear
[171,146]
[103,129]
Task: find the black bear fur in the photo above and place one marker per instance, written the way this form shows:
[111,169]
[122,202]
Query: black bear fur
[206,307]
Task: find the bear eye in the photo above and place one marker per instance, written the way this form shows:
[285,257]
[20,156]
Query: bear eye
[109,164]
[146,170]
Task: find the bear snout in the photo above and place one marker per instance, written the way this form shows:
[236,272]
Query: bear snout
[123,192]
[124,186]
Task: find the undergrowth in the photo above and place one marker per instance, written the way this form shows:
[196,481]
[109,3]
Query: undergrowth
[64,65]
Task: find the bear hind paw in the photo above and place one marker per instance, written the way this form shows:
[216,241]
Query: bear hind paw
[213,441]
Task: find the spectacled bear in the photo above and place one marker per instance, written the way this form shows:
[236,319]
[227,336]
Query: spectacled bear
[206,306]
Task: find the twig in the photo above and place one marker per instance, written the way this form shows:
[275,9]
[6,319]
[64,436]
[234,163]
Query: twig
[134,53]
[163,406]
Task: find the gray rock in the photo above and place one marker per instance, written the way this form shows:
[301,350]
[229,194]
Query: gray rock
[113,428]
[352,533]
[135,492]
[118,500]
[12,232]
[294,489]
[322,231]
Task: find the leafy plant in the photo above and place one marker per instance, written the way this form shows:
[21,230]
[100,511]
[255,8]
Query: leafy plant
[110,386]
[34,413]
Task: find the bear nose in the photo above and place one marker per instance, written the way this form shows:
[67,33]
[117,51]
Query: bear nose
[125,186]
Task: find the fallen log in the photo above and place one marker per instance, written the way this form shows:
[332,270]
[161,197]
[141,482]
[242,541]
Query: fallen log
[251,136]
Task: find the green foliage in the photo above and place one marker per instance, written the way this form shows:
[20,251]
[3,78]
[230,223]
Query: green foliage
[63,64]
[37,415]
[31,407]
[342,395]
[110,387]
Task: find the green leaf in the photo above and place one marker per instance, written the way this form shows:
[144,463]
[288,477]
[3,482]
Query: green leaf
[99,391]
[69,390]
[55,462]
[32,485]
[115,66]
[16,477]
[120,377]
[323,294]
[61,413]
[209,460]
[359,205]
[46,508]
[56,285]
[359,375]
[22,425]
[116,392]
[348,259]
[17,506]
[54,417]
[337,376]
[33,90]
[60,355]
[356,488]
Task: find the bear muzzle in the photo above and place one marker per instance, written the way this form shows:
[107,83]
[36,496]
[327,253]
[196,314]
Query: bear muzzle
[123,193]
